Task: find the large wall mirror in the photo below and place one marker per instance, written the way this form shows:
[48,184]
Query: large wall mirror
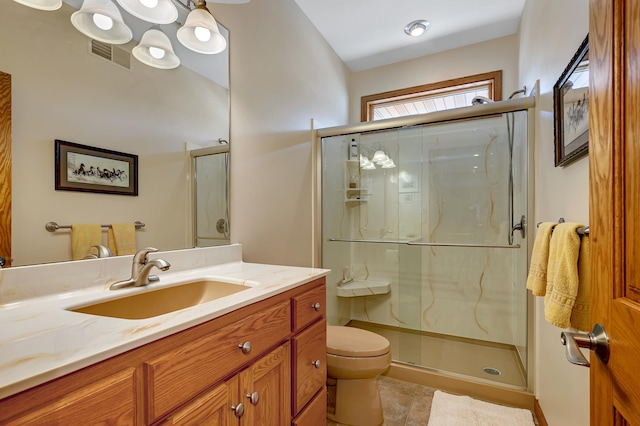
[63,88]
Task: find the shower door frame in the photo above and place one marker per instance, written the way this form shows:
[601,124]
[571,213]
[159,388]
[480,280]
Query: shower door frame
[439,117]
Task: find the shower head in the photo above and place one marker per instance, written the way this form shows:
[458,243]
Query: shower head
[480,100]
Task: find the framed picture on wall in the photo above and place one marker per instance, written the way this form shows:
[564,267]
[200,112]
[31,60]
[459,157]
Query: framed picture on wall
[571,108]
[90,169]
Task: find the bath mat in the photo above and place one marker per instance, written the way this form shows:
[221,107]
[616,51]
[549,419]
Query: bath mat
[453,410]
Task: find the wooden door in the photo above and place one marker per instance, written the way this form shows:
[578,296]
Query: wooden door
[614,159]
[5,167]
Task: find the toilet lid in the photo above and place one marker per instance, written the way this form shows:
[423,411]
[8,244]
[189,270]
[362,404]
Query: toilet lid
[350,341]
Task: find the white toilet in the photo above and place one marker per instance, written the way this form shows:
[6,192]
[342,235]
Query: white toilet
[355,358]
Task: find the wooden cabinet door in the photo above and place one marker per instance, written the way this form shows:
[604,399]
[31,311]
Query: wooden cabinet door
[211,409]
[269,378]
[614,174]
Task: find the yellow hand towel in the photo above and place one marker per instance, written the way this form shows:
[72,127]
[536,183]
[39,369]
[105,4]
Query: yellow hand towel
[537,279]
[122,238]
[562,274]
[83,236]
[580,313]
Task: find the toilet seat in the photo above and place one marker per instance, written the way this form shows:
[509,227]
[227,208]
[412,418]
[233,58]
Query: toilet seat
[355,342]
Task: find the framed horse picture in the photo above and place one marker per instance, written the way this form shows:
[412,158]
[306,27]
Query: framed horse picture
[90,169]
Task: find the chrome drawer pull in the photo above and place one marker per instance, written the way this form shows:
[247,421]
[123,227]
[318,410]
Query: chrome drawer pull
[316,363]
[316,306]
[238,410]
[246,347]
[254,397]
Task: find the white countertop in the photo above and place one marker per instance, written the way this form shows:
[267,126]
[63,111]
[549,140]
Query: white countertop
[41,340]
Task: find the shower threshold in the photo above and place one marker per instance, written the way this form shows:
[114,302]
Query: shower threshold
[494,362]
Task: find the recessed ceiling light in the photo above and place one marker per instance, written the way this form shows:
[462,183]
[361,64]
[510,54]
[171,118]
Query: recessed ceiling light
[417,28]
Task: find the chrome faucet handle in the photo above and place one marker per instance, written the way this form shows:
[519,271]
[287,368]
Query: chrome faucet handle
[141,255]
[140,259]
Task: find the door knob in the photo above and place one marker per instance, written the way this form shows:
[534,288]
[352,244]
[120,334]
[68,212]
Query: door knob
[596,341]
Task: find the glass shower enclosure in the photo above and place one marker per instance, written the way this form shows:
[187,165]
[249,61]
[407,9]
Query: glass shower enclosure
[423,229]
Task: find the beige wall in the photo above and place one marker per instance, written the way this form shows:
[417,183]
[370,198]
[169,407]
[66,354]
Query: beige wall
[550,33]
[498,54]
[283,74]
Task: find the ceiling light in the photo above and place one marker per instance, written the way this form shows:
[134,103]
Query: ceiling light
[417,28]
[41,4]
[200,32]
[156,51]
[154,11]
[101,20]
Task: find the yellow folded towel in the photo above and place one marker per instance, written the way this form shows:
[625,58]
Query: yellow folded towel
[562,274]
[581,309]
[537,279]
[83,236]
[122,238]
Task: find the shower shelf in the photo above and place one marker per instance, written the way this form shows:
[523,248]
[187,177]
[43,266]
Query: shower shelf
[356,195]
[363,288]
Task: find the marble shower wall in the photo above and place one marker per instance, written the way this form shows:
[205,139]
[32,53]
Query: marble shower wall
[450,186]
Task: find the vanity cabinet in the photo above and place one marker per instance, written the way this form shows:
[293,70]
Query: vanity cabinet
[267,357]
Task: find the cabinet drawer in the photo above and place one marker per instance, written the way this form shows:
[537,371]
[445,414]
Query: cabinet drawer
[310,367]
[308,307]
[179,375]
[315,413]
[111,400]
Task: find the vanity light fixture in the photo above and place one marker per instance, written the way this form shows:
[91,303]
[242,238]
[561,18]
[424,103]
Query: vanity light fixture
[101,20]
[417,28]
[154,11]
[155,50]
[41,4]
[200,31]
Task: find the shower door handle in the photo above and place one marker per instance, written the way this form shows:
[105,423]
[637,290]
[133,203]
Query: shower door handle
[597,341]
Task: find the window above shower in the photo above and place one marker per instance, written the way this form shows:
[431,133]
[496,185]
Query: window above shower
[431,97]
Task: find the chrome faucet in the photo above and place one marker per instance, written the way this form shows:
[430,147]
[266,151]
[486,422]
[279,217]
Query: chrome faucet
[140,270]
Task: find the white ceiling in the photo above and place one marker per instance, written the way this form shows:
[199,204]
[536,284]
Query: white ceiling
[370,33]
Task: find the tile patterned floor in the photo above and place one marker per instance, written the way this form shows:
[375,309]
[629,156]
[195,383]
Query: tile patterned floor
[404,403]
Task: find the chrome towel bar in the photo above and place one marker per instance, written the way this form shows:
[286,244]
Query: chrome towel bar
[582,230]
[53,226]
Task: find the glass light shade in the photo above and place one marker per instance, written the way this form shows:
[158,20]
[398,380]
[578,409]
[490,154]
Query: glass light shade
[201,18]
[165,12]
[156,51]
[369,166]
[41,4]
[379,156]
[389,164]
[83,20]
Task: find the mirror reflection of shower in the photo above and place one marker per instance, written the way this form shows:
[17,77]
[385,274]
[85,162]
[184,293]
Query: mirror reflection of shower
[210,172]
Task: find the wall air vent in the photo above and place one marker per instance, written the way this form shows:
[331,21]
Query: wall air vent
[111,53]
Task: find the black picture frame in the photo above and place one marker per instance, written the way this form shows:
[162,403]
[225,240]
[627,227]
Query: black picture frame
[571,109]
[89,169]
